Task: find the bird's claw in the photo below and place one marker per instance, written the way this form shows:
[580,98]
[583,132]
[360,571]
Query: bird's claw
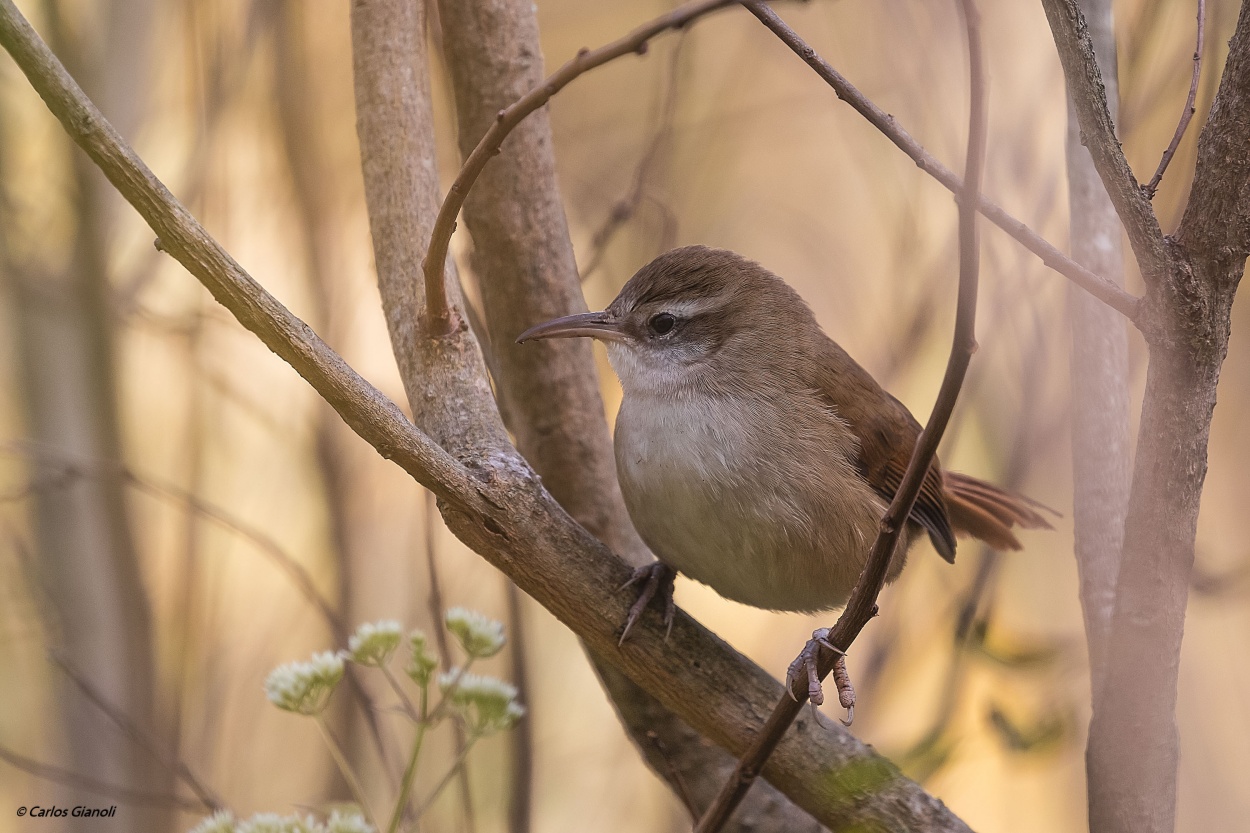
[805,665]
[656,578]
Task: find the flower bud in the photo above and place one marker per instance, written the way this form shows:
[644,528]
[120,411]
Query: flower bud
[373,643]
[423,660]
[487,704]
[479,636]
[305,687]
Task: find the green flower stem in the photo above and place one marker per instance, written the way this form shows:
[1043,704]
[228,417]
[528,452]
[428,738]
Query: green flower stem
[346,768]
[410,774]
[445,703]
[455,767]
[403,697]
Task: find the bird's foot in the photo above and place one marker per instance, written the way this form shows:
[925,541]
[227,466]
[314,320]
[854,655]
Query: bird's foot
[805,665]
[656,579]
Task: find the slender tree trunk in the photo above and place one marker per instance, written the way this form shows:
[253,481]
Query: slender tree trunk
[1099,363]
[1101,466]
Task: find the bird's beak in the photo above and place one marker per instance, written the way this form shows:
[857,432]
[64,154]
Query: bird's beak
[601,325]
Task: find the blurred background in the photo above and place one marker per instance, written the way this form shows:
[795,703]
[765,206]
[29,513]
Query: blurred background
[175,503]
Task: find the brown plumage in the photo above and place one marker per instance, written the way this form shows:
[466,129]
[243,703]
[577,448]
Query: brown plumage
[949,503]
[753,453]
[987,512]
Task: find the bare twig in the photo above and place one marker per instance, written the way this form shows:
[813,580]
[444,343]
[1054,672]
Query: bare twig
[862,605]
[60,775]
[174,764]
[69,469]
[1188,112]
[624,208]
[442,318]
[1105,291]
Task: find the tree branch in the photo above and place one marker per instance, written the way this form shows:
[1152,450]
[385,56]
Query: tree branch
[1105,291]
[1089,97]
[1098,360]
[1188,112]
[862,605]
[137,798]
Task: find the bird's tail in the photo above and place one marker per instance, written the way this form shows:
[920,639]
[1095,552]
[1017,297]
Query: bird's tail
[987,512]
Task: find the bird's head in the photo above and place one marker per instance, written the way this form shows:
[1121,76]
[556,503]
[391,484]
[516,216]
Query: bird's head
[693,317]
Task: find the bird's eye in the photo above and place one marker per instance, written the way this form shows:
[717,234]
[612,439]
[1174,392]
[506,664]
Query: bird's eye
[662,323]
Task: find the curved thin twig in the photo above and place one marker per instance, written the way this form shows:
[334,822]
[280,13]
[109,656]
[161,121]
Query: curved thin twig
[443,320]
[862,605]
[1188,112]
[1102,289]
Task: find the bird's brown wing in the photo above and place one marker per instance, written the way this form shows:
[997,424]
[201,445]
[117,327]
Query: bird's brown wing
[887,434]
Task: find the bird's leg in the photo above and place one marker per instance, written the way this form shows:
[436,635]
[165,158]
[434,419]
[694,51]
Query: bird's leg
[805,666]
[846,691]
[656,578]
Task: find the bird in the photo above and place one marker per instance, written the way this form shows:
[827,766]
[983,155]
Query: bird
[754,454]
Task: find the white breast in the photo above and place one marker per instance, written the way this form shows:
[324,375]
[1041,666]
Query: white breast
[779,532]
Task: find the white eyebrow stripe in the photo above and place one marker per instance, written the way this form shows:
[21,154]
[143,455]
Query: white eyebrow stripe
[686,308]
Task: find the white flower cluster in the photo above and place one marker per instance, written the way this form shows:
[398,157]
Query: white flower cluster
[340,821]
[479,636]
[220,822]
[348,821]
[305,687]
[423,661]
[487,704]
[274,823]
[373,643]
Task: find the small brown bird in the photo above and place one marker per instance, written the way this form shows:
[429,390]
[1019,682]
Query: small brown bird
[754,454]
